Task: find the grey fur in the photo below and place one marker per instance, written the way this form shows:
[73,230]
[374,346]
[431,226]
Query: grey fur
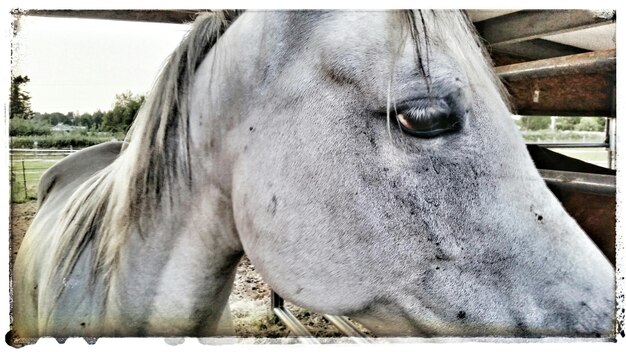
[277,144]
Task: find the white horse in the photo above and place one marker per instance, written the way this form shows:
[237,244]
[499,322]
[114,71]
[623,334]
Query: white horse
[367,164]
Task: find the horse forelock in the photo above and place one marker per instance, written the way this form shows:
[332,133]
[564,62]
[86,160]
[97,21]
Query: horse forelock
[154,163]
[452,32]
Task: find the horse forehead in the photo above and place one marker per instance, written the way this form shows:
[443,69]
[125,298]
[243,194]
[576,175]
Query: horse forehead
[316,28]
[330,20]
[351,29]
[350,40]
[355,21]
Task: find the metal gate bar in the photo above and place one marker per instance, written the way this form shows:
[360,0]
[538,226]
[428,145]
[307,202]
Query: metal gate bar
[342,323]
[278,307]
[581,182]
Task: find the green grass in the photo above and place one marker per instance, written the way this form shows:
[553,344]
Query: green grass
[25,177]
[19,194]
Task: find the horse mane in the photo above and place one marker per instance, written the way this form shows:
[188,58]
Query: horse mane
[153,164]
[461,41]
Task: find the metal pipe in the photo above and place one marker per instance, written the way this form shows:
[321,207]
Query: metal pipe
[276,300]
[345,326]
[571,145]
[295,326]
[580,182]
[292,323]
[593,62]
[612,136]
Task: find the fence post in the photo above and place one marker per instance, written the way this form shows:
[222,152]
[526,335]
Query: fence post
[12,168]
[24,177]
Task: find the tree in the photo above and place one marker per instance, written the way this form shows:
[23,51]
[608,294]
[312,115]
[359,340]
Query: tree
[85,120]
[19,99]
[32,127]
[534,123]
[54,118]
[69,118]
[97,119]
[591,124]
[123,113]
[567,123]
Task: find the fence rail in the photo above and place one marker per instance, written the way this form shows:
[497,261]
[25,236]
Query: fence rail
[27,166]
[42,152]
[570,145]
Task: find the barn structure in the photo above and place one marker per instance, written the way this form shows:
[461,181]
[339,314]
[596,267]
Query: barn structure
[553,63]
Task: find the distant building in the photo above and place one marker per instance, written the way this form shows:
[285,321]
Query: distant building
[61,127]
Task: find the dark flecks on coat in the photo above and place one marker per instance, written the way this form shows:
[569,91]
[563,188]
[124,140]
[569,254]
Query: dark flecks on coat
[272,206]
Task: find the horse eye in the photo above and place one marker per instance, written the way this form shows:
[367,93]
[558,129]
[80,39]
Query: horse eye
[428,118]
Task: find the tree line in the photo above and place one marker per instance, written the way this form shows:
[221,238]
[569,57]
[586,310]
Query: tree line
[26,122]
[118,119]
[562,123]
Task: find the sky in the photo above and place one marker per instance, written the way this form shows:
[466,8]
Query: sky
[79,65]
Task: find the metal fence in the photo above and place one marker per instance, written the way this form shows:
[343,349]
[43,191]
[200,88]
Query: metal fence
[304,336]
[27,166]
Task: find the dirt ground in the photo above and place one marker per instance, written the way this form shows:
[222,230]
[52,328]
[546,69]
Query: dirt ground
[249,300]
[21,216]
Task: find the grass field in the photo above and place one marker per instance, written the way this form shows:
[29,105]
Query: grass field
[26,172]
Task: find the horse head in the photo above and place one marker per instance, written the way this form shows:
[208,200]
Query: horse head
[375,172]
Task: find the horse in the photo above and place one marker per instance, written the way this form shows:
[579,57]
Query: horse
[365,162]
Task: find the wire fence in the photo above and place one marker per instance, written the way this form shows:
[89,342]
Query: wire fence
[27,166]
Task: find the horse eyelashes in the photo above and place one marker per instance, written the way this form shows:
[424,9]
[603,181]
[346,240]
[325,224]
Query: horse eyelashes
[427,118]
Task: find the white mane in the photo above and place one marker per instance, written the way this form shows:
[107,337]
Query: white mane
[154,163]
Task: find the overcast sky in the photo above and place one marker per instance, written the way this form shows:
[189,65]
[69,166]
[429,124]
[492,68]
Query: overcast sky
[80,64]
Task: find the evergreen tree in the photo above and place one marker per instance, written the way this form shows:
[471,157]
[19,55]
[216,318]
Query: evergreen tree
[19,99]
